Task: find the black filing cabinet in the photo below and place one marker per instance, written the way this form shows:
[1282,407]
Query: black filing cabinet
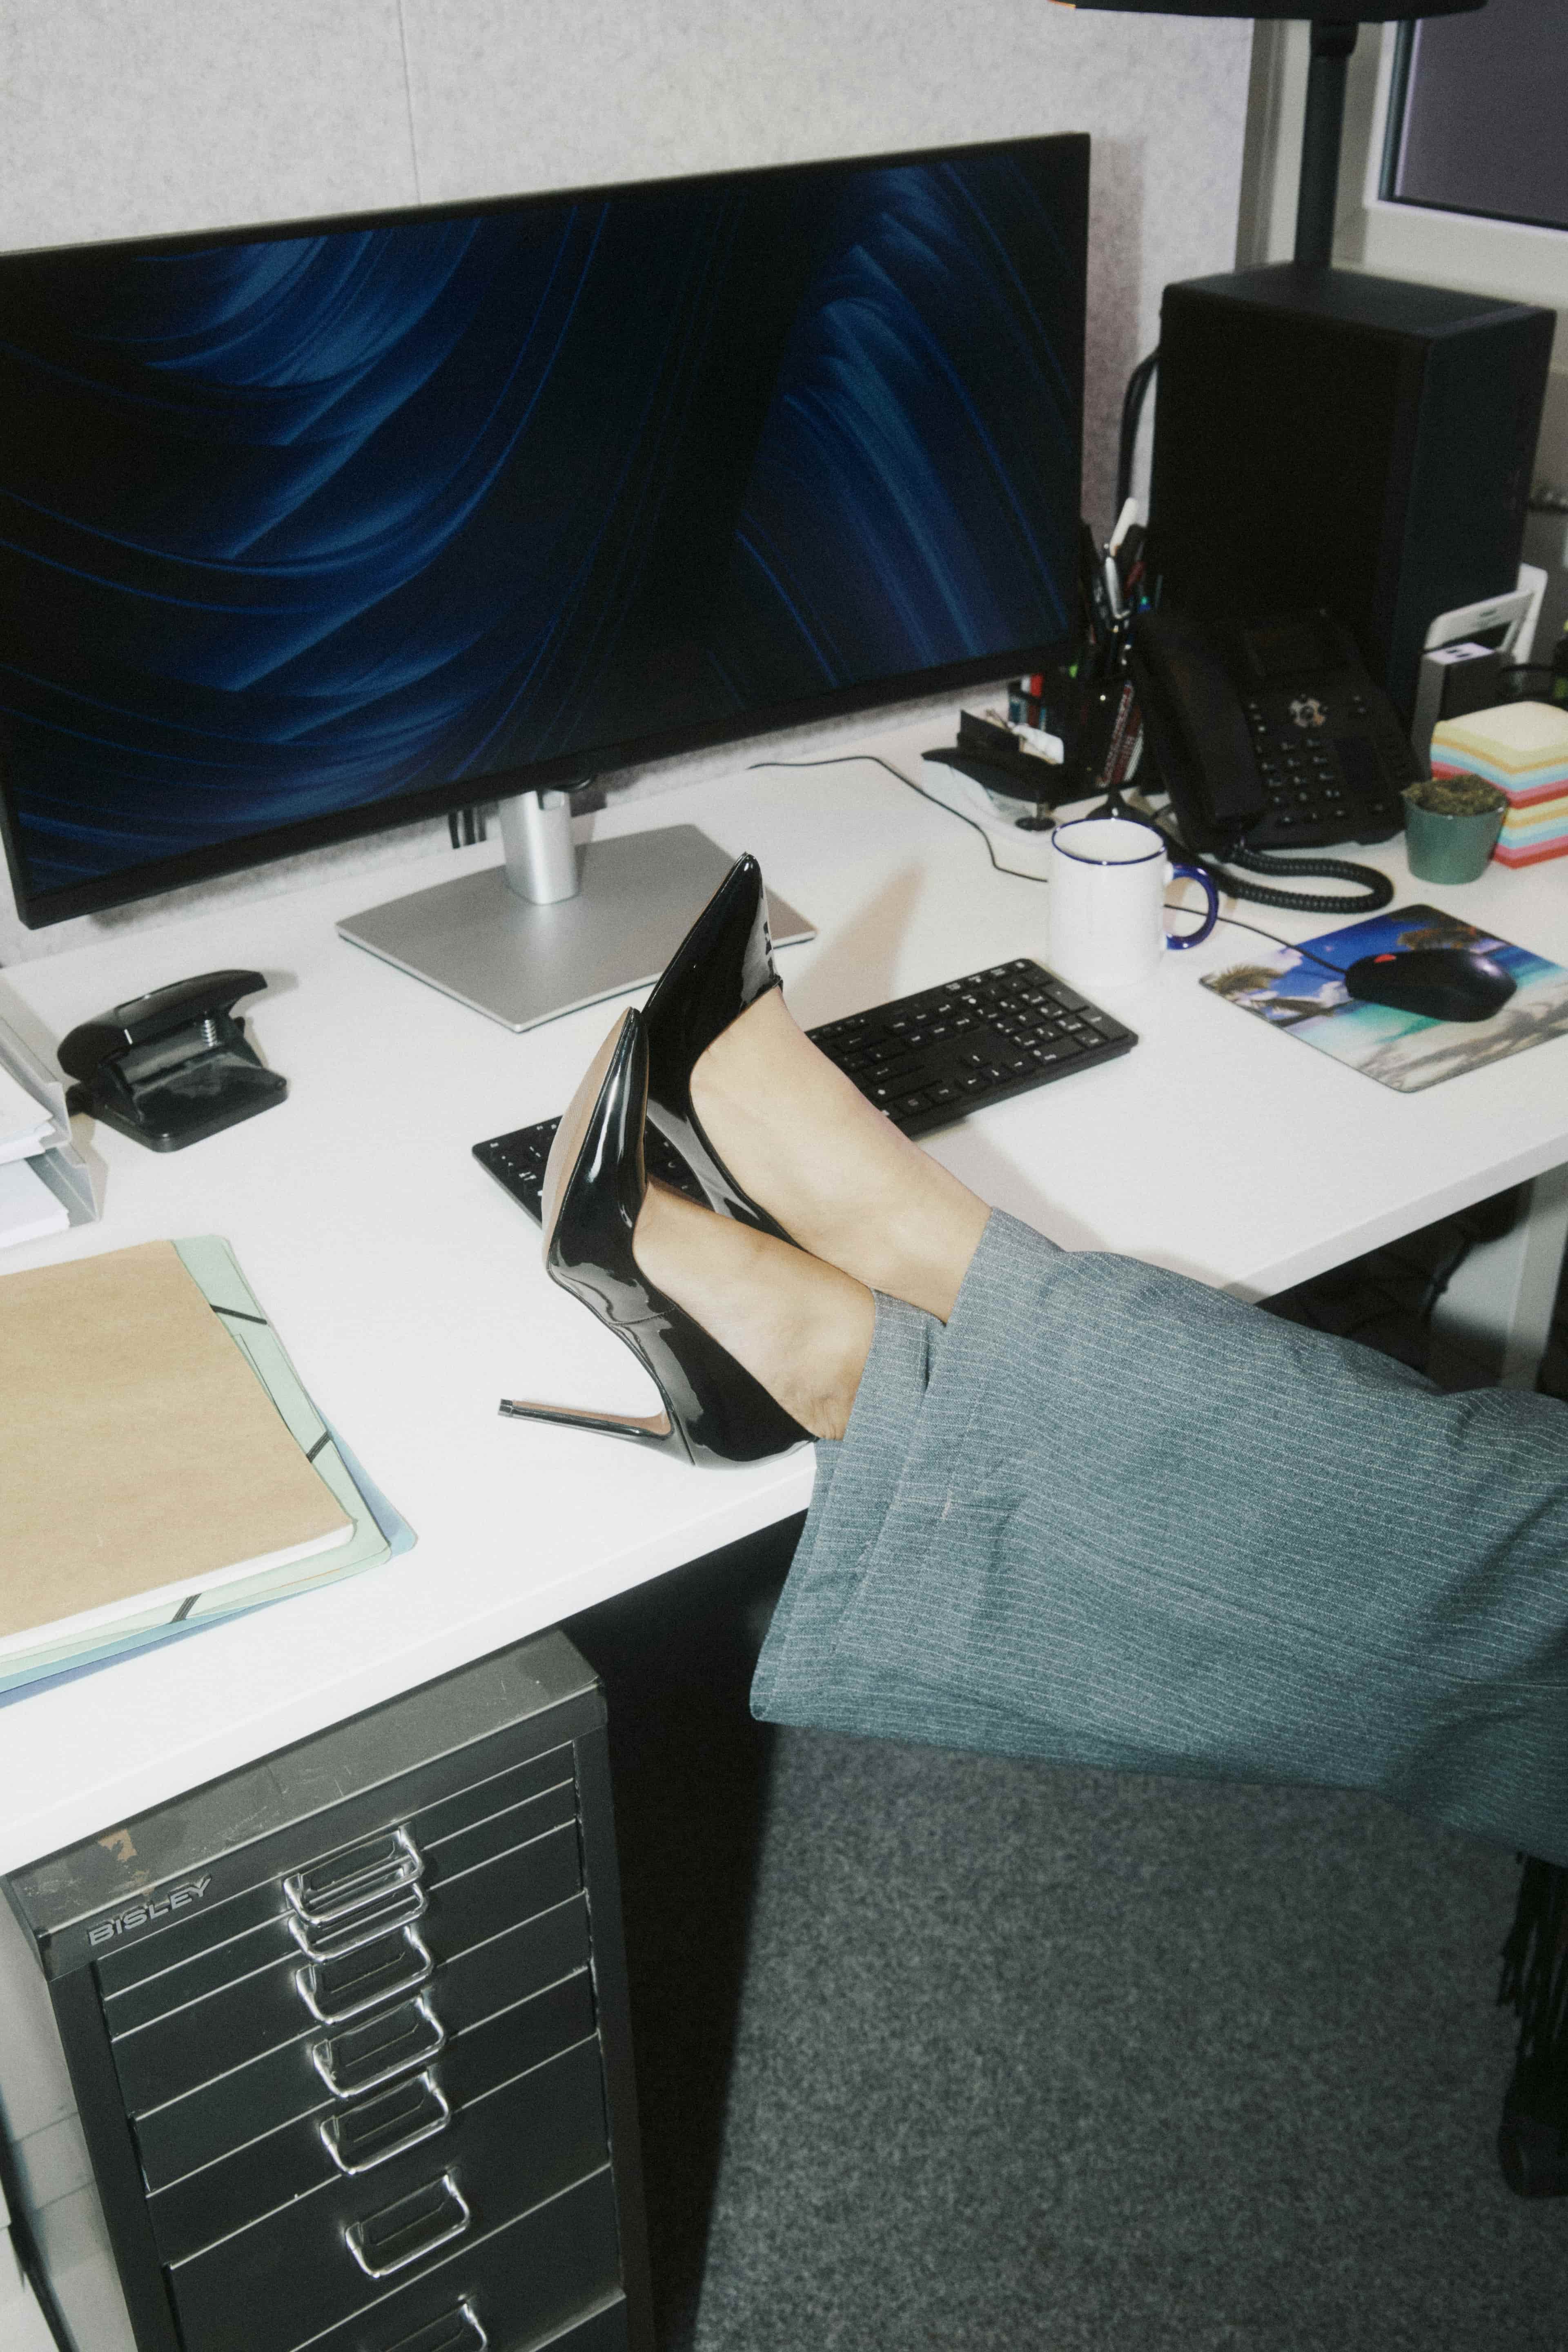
[346,2037]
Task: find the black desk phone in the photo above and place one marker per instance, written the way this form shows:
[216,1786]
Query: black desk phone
[1270,733]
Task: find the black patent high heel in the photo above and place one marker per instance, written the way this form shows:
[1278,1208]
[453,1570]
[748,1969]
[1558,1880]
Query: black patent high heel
[714,1411]
[721,966]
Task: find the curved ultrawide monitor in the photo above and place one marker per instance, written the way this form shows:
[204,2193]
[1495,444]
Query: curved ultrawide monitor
[306,531]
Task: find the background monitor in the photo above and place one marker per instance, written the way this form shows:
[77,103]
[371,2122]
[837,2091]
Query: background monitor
[311,530]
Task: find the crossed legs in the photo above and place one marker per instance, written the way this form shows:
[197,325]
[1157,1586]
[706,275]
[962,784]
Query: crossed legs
[869,1209]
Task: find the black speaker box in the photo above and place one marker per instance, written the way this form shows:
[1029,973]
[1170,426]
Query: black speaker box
[1322,438]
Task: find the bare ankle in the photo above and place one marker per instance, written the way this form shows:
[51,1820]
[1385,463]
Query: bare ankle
[798,1326]
[804,1142]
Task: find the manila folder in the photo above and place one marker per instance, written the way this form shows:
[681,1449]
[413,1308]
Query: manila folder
[137,1447]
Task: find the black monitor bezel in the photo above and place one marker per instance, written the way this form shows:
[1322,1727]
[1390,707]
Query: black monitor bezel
[37,910]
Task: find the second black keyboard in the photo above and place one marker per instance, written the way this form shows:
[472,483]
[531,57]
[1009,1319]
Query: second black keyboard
[925,1060]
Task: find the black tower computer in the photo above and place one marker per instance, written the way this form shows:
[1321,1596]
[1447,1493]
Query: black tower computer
[1323,437]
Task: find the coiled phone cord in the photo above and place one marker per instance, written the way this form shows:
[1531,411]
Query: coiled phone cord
[1376,890]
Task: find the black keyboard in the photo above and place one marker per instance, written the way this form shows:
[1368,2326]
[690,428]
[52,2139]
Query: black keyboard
[925,1060]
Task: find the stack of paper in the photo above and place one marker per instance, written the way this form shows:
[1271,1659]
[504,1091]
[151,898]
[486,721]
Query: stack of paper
[162,1466]
[26,1124]
[29,1210]
[1522,747]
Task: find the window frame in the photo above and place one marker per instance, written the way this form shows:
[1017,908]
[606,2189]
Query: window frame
[1391,113]
[1521,259]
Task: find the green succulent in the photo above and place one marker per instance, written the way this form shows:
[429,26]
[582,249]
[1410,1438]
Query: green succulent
[1457,796]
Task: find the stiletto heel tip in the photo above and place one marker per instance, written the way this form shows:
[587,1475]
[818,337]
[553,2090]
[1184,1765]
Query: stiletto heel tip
[643,1429]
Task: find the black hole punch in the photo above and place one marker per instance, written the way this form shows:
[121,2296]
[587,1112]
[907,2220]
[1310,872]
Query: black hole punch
[173,1067]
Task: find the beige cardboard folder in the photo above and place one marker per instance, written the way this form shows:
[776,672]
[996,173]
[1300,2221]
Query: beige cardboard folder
[139,1453]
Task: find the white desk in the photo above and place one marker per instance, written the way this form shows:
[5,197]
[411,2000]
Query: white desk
[409,1290]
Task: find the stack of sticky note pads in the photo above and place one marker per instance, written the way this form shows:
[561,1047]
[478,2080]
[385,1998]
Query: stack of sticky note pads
[1522,747]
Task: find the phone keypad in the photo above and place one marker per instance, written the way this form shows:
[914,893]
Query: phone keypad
[1322,779]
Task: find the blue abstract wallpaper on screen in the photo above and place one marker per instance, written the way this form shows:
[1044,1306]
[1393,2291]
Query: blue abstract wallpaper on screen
[293,525]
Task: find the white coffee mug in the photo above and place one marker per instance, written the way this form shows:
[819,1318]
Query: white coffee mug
[1109,876]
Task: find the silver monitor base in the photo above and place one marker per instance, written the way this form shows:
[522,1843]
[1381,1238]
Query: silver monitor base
[522,964]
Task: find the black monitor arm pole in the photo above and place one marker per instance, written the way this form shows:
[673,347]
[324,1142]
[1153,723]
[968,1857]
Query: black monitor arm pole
[1318,188]
[1316,193]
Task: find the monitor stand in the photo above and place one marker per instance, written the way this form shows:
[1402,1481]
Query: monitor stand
[556,927]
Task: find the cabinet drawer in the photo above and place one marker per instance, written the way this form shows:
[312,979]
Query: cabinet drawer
[330,2253]
[157,1963]
[252,2013]
[523,2285]
[461,2330]
[288,2082]
[365,2133]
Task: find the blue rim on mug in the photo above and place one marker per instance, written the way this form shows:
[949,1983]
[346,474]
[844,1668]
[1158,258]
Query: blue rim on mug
[1162,848]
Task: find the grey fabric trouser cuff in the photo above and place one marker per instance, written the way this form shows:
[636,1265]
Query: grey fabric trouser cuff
[1108,1517]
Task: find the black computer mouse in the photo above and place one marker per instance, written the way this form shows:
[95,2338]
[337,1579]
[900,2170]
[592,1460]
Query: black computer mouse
[1440,983]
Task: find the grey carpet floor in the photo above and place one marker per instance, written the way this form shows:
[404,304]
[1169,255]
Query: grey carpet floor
[1031,2058]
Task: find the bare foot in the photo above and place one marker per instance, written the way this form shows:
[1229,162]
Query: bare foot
[837,1175]
[801,1328]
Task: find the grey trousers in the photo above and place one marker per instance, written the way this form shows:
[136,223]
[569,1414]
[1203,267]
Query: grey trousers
[1107,1517]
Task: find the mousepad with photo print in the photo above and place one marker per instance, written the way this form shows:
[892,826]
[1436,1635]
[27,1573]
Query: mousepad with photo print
[1298,989]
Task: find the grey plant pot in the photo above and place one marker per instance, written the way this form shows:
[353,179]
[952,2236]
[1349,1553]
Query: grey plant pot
[1450,849]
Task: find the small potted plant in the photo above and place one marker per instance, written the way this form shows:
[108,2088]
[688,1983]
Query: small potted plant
[1451,826]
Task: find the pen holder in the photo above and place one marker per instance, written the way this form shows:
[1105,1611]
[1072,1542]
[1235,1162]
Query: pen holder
[1067,704]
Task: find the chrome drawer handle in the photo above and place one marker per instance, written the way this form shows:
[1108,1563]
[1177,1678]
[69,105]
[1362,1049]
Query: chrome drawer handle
[362,2126]
[345,1881]
[405,1902]
[459,2331]
[425,2032]
[432,2217]
[409,1964]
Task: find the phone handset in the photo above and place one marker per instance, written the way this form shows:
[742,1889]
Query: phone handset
[1196,730]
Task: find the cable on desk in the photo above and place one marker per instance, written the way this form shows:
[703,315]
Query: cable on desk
[849,759]
[1294,947]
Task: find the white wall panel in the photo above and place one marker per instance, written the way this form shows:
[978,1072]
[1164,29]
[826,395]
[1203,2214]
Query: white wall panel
[121,117]
[508,97]
[124,117]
